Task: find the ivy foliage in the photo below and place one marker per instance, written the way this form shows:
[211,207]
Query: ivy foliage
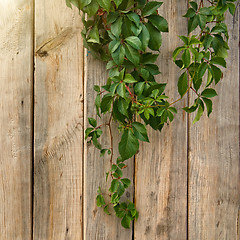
[127,35]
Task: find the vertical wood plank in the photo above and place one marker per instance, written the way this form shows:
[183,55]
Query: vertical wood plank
[161,167]
[58,133]
[97,224]
[15,118]
[214,158]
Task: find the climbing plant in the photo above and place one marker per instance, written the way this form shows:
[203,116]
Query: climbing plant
[127,35]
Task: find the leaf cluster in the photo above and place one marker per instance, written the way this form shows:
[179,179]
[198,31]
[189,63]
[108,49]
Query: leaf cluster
[127,35]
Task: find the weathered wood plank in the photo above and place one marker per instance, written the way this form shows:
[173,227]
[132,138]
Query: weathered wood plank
[161,166]
[58,133]
[98,225]
[214,158]
[15,118]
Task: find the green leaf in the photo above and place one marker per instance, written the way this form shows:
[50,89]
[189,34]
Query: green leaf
[170,116]
[97,88]
[190,13]
[183,84]
[150,8]
[126,182]
[106,103]
[113,88]
[159,22]
[119,211]
[207,41]
[132,16]
[208,104]
[232,8]
[176,52]
[93,36]
[219,29]
[194,5]
[219,61]
[134,29]
[140,131]
[149,58]
[118,2]
[100,200]
[114,185]
[118,173]
[115,199]
[91,8]
[172,109]
[118,55]
[129,78]
[99,191]
[112,17]
[102,152]
[202,19]
[139,87]
[194,41]
[191,109]
[105,4]
[92,122]
[199,114]
[184,39]
[106,210]
[87,132]
[217,73]
[134,42]
[126,221]
[128,145]
[68,3]
[114,167]
[205,11]
[202,69]
[116,27]
[110,64]
[98,103]
[95,142]
[209,93]
[120,190]
[144,37]
[132,54]
[121,90]
[113,45]
[186,58]
[155,41]
[123,106]
[192,23]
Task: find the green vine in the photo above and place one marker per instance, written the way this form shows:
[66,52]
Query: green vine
[127,35]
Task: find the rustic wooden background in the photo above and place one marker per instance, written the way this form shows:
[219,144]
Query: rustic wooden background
[186,184]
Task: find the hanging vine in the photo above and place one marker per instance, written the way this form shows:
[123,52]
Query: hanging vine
[127,35]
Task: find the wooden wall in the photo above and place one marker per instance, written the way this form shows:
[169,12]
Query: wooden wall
[186,184]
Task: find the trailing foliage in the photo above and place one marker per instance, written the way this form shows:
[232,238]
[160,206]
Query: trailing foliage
[127,35]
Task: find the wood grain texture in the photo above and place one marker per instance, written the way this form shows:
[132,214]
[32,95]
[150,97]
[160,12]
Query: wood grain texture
[98,225]
[161,168]
[58,124]
[214,158]
[15,119]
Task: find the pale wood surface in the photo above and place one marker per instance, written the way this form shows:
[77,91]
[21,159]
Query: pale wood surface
[68,171]
[15,119]
[98,225]
[58,122]
[161,169]
[214,158]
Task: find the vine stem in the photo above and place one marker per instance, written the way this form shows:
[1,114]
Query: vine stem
[111,142]
[195,91]
[189,87]
[210,2]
